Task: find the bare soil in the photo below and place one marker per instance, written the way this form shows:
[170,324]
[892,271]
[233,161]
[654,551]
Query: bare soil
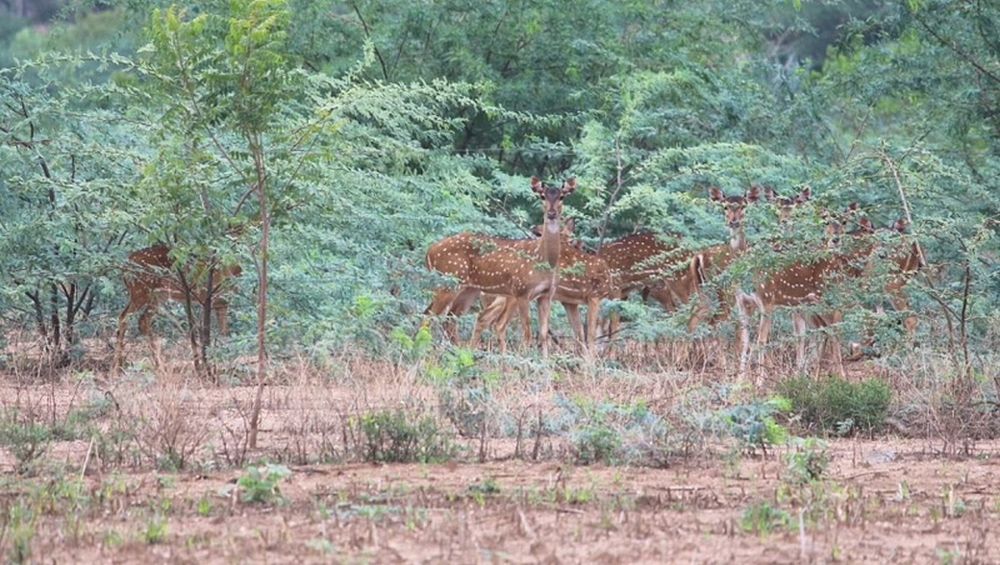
[882,501]
[88,499]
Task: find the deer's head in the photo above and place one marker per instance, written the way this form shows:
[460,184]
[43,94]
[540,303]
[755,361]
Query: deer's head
[735,206]
[786,204]
[552,197]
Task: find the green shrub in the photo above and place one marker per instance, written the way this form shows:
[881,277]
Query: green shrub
[262,484]
[753,425]
[390,437]
[837,405]
[808,462]
[597,442]
[762,519]
[26,441]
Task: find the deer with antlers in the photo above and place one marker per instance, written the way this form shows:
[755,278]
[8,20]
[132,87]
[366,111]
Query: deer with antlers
[525,272]
[153,278]
[584,279]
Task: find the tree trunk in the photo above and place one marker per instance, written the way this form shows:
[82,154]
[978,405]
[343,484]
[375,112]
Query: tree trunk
[265,235]
[206,320]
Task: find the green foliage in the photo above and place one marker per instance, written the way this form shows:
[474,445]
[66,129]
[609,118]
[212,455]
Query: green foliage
[261,484]
[21,521]
[614,433]
[393,124]
[763,519]
[27,442]
[753,425]
[808,461]
[394,437]
[837,405]
[155,531]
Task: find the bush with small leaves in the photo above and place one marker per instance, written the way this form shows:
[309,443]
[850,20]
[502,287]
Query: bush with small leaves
[392,437]
[836,405]
[753,425]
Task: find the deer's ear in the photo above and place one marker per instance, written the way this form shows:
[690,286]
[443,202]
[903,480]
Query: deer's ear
[753,194]
[769,194]
[569,186]
[866,225]
[900,225]
[853,207]
[536,185]
[715,194]
[804,196]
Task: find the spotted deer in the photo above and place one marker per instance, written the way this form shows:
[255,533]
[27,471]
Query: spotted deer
[584,279]
[453,256]
[709,263]
[152,278]
[803,283]
[525,272]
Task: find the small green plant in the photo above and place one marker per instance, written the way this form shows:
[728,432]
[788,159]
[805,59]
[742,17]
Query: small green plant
[753,425]
[762,519]
[487,486]
[836,405]
[21,529]
[27,442]
[204,507]
[155,531]
[261,484]
[391,437]
[808,462]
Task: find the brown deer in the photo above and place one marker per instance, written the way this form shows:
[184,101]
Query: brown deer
[906,264]
[805,282]
[708,263]
[153,278]
[525,272]
[584,279]
[453,256]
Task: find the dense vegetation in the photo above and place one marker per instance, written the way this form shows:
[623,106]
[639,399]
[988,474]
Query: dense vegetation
[324,146]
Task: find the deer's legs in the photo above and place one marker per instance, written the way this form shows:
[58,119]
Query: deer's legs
[830,350]
[451,303]
[120,337]
[221,308]
[593,309]
[743,313]
[510,304]
[488,317]
[901,304]
[146,329]
[524,311]
[544,310]
[799,321]
[573,314]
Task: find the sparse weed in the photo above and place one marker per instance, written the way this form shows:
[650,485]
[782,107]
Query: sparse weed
[808,461]
[261,484]
[155,531]
[753,425]
[763,519]
[391,437]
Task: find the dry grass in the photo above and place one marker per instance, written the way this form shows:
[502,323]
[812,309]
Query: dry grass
[144,466]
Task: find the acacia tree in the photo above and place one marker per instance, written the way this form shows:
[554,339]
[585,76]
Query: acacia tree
[248,134]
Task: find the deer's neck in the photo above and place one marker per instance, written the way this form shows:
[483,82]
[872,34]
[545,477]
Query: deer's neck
[550,243]
[738,240]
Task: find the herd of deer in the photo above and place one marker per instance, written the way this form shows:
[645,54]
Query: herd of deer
[508,274]
[512,273]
